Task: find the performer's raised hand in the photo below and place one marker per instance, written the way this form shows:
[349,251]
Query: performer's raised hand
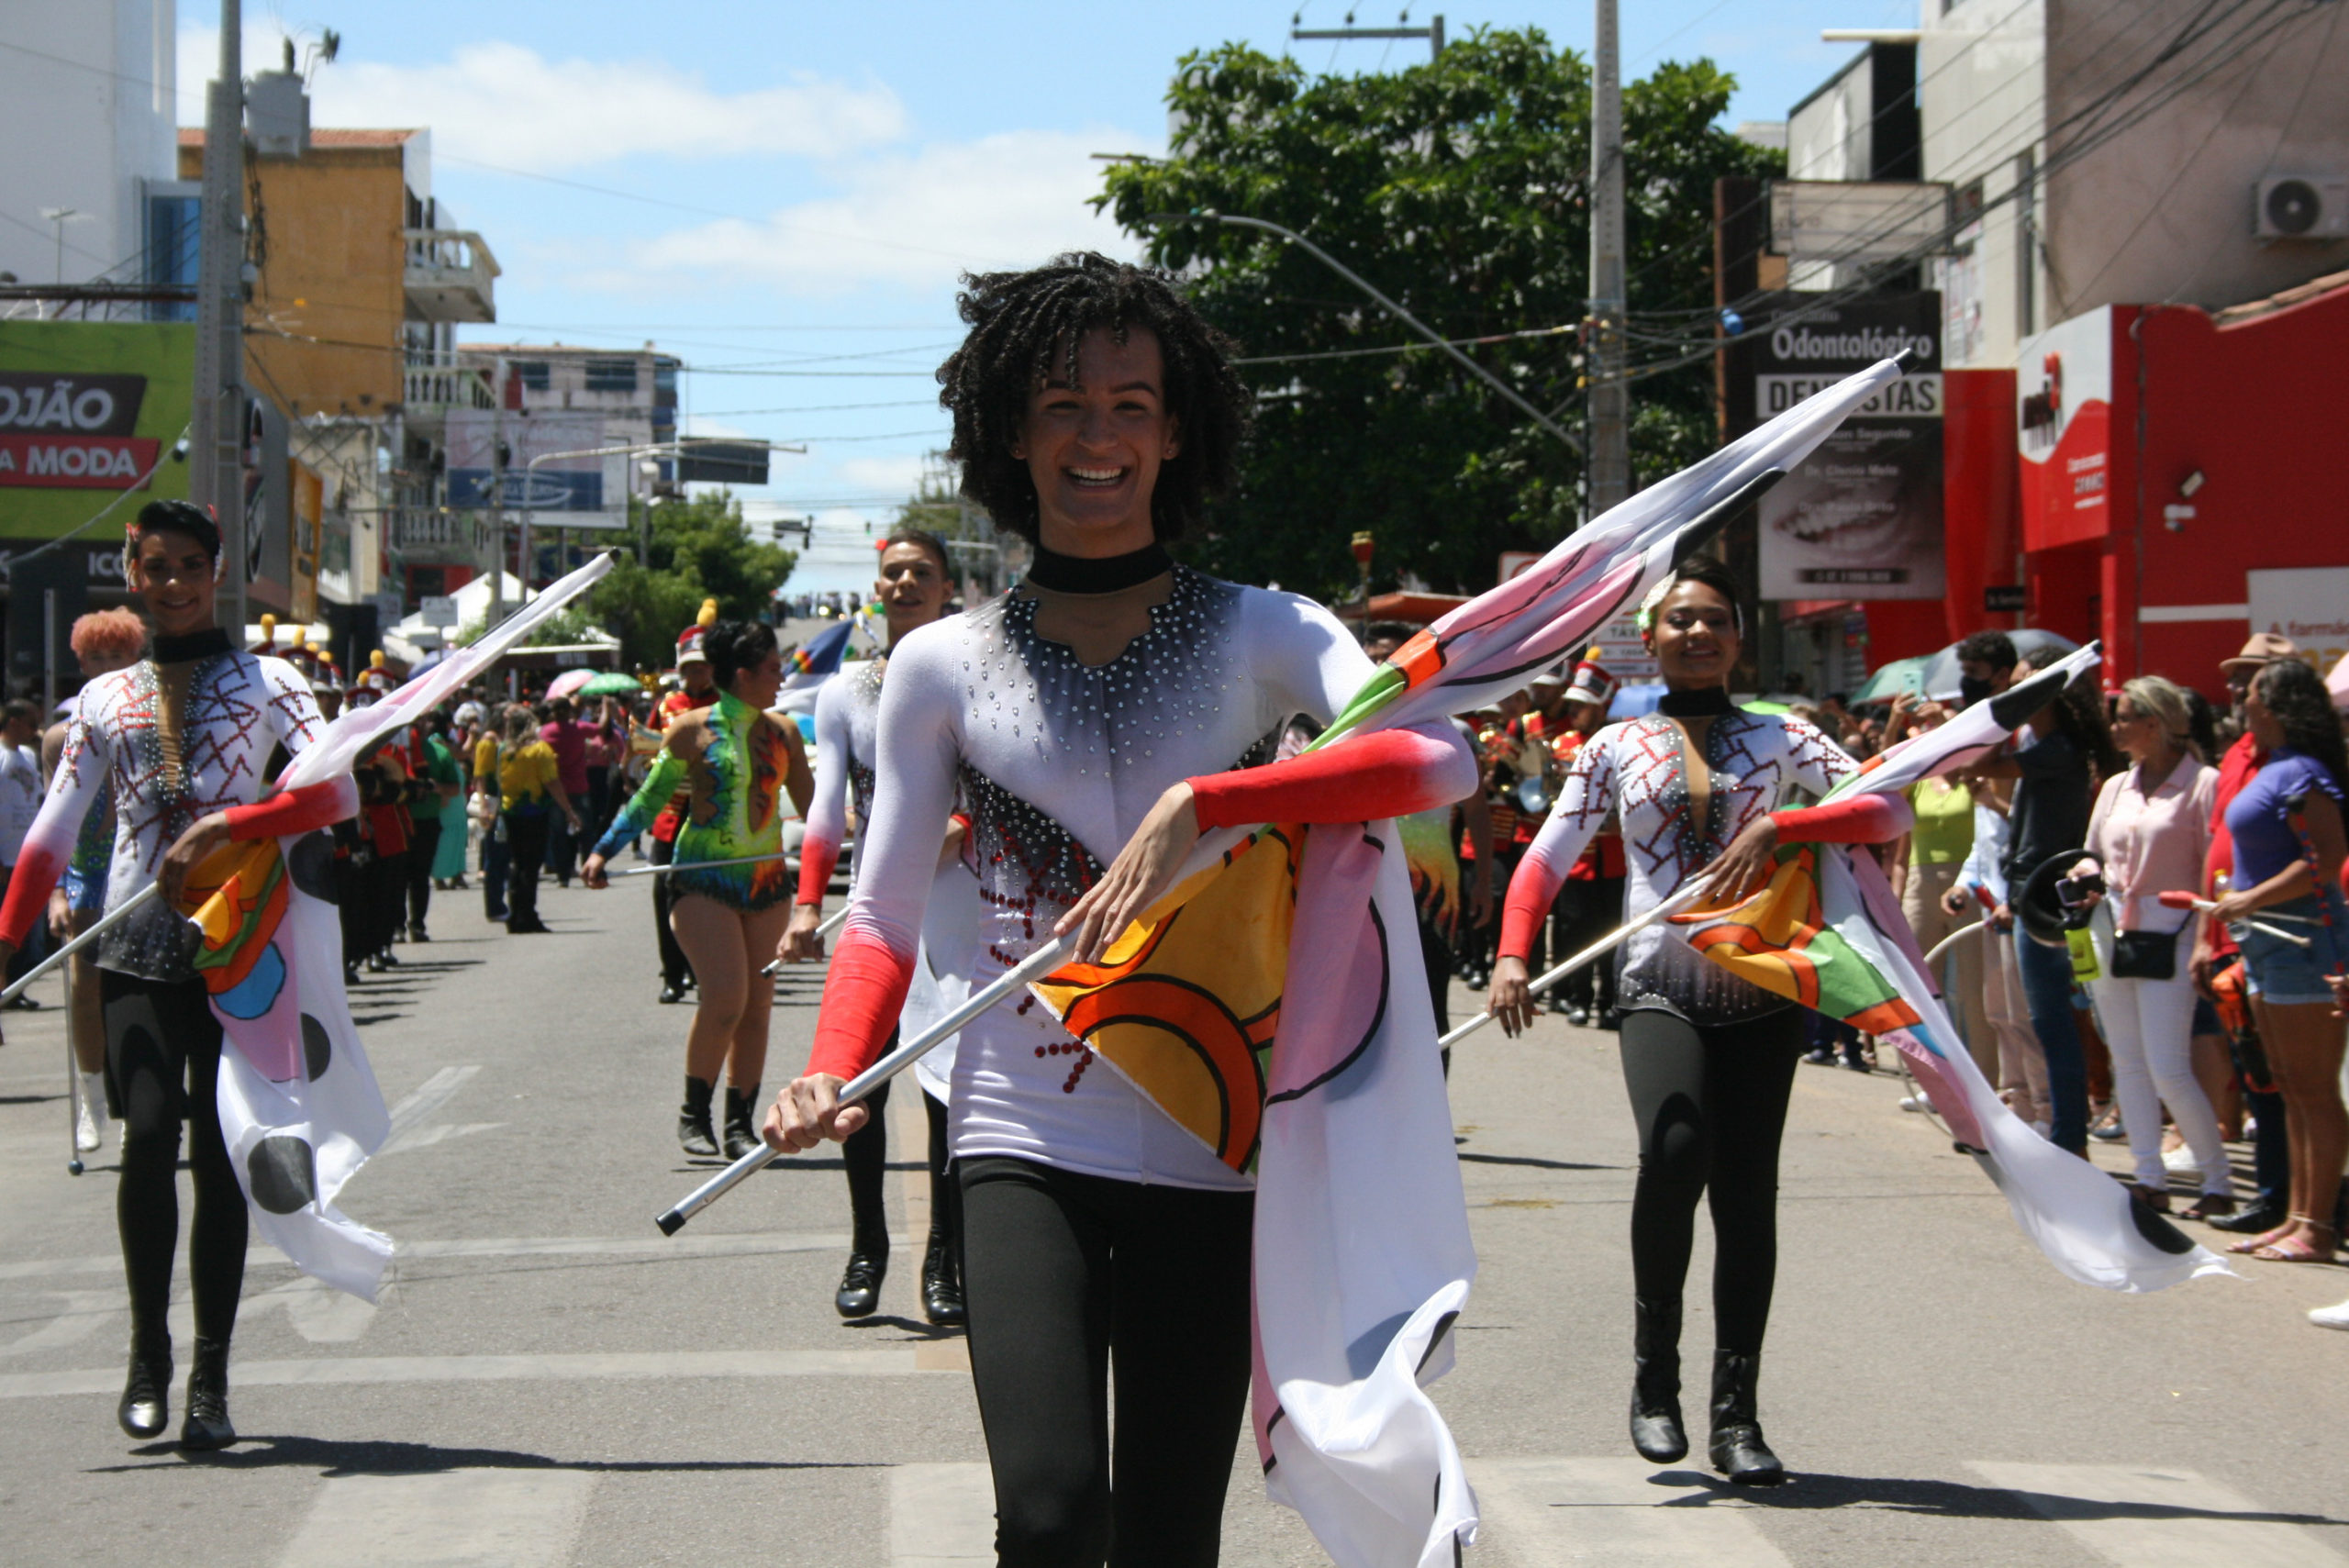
[808,1111]
[188,851]
[1507,1000]
[1143,870]
[800,942]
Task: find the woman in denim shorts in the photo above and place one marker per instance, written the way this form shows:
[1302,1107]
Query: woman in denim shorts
[2286,826]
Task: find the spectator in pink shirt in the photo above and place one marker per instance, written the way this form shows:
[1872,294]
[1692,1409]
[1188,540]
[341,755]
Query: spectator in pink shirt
[567,734]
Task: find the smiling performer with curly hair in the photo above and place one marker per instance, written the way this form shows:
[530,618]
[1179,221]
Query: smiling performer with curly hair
[1092,723]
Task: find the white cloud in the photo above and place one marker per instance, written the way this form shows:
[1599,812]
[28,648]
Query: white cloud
[917,218]
[882,473]
[506,104]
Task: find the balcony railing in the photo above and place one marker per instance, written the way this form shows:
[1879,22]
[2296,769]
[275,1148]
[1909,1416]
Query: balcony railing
[433,386]
[450,275]
[436,529]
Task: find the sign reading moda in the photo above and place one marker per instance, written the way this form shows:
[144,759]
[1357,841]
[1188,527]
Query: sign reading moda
[1860,518]
[88,410]
[69,431]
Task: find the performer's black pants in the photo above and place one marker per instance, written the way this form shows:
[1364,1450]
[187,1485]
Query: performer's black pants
[163,1054]
[866,1155]
[674,970]
[1712,1103]
[423,847]
[1061,1273]
[1436,954]
[386,899]
[526,838]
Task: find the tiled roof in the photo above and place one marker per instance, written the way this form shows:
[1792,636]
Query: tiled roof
[324,135]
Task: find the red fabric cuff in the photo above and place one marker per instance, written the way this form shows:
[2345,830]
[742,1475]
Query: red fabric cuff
[1860,819]
[295,810]
[863,993]
[30,881]
[1389,773]
[815,862]
[1527,906]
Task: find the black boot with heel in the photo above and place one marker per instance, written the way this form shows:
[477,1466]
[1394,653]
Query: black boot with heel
[740,1135]
[1656,1431]
[146,1407]
[1737,1451]
[206,1425]
[695,1135]
[941,1284]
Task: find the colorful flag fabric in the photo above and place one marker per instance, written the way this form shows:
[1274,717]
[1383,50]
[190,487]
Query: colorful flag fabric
[1827,932]
[1275,1004]
[299,1107]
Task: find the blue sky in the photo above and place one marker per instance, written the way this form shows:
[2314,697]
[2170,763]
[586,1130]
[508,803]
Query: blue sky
[784,194]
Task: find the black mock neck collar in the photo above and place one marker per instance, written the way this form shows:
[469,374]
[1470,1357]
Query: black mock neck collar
[202,644]
[1712,702]
[1078,574]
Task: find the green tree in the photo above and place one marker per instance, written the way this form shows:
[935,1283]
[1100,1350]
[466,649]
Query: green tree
[1460,188]
[699,550]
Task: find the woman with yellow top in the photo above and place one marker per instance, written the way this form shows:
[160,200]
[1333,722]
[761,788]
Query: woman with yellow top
[737,761]
[530,788]
[1925,866]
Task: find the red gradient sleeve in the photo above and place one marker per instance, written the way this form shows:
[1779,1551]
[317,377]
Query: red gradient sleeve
[30,881]
[1389,773]
[300,810]
[1859,820]
[863,993]
[1530,893]
[816,859]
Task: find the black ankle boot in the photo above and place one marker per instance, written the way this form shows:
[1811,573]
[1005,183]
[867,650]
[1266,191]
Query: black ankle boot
[1737,1451]
[740,1135]
[1656,1431]
[146,1407]
[860,1292]
[941,1284]
[206,1425]
[694,1134]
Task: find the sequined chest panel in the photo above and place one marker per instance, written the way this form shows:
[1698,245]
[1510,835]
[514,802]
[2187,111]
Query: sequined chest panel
[864,696]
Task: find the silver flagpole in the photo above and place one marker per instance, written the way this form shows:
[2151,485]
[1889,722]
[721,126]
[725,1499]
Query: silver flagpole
[693,865]
[1036,964]
[1597,950]
[72,1098]
[113,916]
[831,924]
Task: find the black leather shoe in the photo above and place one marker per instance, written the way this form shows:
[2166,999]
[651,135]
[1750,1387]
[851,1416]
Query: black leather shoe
[740,1137]
[942,1286]
[1656,1431]
[671,994]
[2250,1221]
[1737,1448]
[693,1132]
[206,1425]
[146,1407]
[860,1292]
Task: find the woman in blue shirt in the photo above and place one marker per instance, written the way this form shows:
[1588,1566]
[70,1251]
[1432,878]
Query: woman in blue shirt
[2286,826]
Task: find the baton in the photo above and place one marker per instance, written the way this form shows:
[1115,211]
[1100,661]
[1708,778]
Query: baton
[2187,901]
[1597,950]
[692,865]
[113,916]
[1036,964]
[831,924]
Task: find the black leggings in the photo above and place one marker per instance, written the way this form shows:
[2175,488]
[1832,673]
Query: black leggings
[866,1155]
[1063,1271]
[1711,1103]
[163,1054]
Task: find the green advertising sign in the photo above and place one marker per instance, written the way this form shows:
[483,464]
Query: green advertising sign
[89,410]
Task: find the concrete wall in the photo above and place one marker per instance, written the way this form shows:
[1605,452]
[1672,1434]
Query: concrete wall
[83,127]
[2163,213]
[1981,85]
[335,272]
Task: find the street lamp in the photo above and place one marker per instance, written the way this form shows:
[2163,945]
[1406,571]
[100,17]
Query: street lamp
[1209,214]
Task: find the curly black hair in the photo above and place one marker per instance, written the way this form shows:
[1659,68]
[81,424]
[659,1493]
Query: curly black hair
[2079,714]
[734,646]
[2295,694]
[1021,322]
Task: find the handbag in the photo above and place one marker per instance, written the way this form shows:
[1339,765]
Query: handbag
[2144,955]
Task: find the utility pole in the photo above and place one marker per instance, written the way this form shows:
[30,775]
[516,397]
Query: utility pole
[217,436]
[1610,401]
[498,494]
[1432,32]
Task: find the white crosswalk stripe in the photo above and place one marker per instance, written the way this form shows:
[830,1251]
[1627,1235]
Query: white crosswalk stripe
[464,1519]
[903,1361]
[2139,1517]
[941,1515]
[1544,1512]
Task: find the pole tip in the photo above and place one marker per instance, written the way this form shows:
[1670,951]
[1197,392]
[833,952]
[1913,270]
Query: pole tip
[670,1223]
[73,1166]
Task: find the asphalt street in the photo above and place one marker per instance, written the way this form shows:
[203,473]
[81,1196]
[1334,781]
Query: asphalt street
[549,1381]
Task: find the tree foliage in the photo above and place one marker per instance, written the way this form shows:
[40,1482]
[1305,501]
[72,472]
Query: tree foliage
[1459,187]
[700,549]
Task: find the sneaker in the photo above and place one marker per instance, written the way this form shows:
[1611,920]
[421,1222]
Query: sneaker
[1822,1057]
[498,917]
[1918,1102]
[2334,1316]
[2180,1161]
[87,1132]
[1578,1016]
[2107,1127]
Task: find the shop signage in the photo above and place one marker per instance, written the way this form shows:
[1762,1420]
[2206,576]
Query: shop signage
[76,462]
[2311,605]
[2005,599]
[1861,517]
[2063,429]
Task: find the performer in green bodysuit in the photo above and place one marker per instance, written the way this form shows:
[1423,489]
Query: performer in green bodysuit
[737,761]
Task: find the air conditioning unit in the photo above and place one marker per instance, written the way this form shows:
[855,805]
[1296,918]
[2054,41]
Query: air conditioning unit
[2302,206]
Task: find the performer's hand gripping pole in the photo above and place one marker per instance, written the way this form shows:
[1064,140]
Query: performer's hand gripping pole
[832,923]
[114,917]
[1038,965]
[1591,954]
